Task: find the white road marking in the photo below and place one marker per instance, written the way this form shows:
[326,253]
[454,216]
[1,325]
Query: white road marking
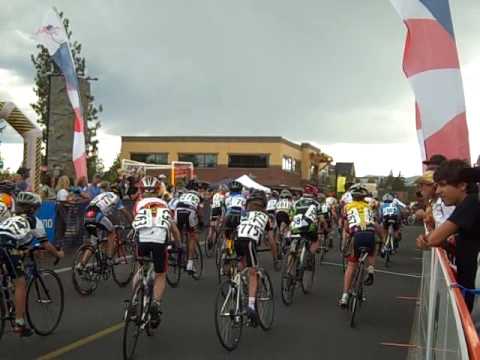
[381,271]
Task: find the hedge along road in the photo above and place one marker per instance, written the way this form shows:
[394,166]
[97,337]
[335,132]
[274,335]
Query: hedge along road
[313,326]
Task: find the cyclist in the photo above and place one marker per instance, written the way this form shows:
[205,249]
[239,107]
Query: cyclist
[217,209]
[360,226]
[154,227]
[7,189]
[255,224]
[148,187]
[16,234]
[99,214]
[234,204]
[309,208]
[187,216]
[390,215]
[325,220]
[282,210]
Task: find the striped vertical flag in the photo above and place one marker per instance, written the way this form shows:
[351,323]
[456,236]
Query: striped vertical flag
[431,64]
[53,36]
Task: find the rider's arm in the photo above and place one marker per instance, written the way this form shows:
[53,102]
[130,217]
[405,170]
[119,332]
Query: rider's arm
[53,250]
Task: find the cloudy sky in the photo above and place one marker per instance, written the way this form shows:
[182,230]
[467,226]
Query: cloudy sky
[328,72]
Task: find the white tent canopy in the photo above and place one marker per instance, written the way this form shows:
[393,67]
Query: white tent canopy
[249,183]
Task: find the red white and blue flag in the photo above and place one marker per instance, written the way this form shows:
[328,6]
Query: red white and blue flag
[53,36]
[431,65]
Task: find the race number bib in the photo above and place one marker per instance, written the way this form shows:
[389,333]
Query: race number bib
[190,199]
[283,204]
[390,211]
[298,222]
[106,201]
[250,231]
[237,202]
[271,205]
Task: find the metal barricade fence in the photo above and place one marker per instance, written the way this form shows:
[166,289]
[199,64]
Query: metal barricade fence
[444,328]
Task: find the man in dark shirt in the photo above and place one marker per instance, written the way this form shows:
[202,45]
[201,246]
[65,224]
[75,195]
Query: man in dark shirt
[465,221]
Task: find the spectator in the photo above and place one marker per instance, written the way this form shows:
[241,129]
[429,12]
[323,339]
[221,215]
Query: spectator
[81,190]
[434,162]
[62,189]
[21,177]
[46,190]
[465,220]
[94,188]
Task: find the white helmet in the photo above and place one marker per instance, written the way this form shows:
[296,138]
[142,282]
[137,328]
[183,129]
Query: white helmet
[16,228]
[150,184]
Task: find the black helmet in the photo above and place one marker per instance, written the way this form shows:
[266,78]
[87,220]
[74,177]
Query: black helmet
[259,196]
[235,186]
[28,201]
[358,192]
[192,185]
[7,187]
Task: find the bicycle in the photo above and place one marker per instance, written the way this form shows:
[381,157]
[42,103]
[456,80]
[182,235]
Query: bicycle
[211,246]
[294,269]
[42,287]
[231,306]
[93,257]
[177,261]
[389,246]
[357,297]
[227,255]
[137,315]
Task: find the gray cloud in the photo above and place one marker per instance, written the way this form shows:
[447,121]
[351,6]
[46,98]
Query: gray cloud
[322,70]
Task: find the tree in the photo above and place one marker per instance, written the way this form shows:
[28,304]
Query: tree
[45,66]
[112,173]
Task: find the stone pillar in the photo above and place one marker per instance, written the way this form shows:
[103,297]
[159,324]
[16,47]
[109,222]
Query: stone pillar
[60,126]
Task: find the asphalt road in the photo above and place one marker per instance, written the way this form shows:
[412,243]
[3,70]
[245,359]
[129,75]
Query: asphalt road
[313,327]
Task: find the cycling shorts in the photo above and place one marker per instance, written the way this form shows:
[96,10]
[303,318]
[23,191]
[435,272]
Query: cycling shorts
[216,213]
[393,220]
[247,249]
[158,253]
[365,239]
[186,219]
[282,217]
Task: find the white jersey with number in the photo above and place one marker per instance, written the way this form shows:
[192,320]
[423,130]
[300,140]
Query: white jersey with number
[107,202]
[272,204]
[236,201]
[284,205]
[153,225]
[218,200]
[190,200]
[253,226]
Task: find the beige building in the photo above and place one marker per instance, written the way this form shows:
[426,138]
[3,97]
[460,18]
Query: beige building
[271,160]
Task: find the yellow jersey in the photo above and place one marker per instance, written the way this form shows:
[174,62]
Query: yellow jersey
[359,216]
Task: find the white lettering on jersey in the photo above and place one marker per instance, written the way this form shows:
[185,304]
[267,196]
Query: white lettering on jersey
[106,202]
[237,201]
[153,226]
[190,199]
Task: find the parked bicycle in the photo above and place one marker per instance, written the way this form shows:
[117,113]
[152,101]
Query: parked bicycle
[45,296]
[137,315]
[298,269]
[357,295]
[95,265]
[231,306]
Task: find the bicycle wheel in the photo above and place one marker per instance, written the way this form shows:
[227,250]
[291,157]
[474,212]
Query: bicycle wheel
[174,269]
[197,262]
[308,276]
[133,322]
[220,245]
[388,251]
[265,301]
[228,320]
[3,315]
[288,282]
[124,263]
[85,280]
[356,297]
[210,246]
[148,328]
[45,301]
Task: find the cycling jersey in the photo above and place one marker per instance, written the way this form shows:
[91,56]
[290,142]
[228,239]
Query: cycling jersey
[153,225]
[19,231]
[359,216]
[235,203]
[218,200]
[253,226]
[189,200]
[283,205]
[107,203]
[304,214]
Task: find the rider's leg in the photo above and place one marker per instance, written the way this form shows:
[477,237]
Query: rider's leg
[20,298]
[159,286]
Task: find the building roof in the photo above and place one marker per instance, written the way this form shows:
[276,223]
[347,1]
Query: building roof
[237,139]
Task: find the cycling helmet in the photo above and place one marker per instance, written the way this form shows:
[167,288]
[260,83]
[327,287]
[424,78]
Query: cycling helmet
[285,194]
[16,228]
[7,187]
[259,196]
[4,212]
[310,191]
[235,186]
[358,192]
[149,184]
[116,190]
[275,194]
[28,200]
[388,198]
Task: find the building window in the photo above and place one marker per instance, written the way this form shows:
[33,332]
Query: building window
[150,158]
[289,164]
[200,160]
[248,161]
